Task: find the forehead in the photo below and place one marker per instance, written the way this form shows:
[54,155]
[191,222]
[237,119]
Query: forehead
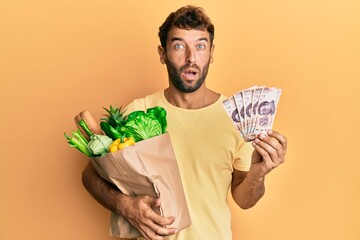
[187,35]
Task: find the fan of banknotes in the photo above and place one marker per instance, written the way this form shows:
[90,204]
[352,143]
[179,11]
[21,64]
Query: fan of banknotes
[253,110]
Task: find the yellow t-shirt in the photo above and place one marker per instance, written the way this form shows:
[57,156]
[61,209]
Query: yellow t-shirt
[207,147]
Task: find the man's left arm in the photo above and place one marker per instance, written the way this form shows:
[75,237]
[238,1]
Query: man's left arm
[269,152]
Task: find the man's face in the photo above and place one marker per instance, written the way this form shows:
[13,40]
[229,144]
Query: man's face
[187,58]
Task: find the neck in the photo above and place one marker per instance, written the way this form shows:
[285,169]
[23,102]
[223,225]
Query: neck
[202,97]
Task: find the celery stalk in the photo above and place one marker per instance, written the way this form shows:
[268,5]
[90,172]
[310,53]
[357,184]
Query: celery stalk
[79,142]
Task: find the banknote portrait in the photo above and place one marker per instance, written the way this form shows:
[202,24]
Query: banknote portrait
[266,108]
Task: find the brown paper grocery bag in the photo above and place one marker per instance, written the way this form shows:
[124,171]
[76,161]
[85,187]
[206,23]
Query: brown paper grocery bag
[147,168]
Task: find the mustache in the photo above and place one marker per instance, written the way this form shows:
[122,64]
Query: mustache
[190,65]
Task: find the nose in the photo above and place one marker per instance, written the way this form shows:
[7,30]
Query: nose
[190,55]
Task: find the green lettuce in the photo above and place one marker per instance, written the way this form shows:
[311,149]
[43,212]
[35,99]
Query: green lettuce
[143,125]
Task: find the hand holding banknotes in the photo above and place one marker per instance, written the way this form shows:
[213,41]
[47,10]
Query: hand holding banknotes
[269,153]
[252,112]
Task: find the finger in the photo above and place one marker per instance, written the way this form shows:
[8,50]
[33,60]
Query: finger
[145,233]
[150,201]
[269,154]
[155,217]
[159,220]
[151,231]
[153,203]
[161,230]
[266,159]
[157,202]
[151,234]
[156,231]
[281,138]
[272,146]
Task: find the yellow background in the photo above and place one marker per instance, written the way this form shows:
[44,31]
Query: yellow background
[60,57]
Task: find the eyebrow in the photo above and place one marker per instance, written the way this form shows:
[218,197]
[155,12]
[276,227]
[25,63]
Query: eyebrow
[181,39]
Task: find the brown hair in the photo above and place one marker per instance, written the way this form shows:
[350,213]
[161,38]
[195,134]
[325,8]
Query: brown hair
[188,17]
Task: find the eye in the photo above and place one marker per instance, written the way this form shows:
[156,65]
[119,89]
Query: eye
[200,46]
[178,46]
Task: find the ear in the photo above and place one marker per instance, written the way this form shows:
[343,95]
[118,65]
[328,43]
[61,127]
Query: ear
[212,53]
[162,53]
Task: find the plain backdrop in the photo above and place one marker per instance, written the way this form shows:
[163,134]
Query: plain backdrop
[58,58]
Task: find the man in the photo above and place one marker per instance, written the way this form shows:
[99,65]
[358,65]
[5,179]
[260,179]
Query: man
[211,155]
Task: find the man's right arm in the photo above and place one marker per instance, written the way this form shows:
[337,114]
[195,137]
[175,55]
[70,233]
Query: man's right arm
[138,210]
[104,192]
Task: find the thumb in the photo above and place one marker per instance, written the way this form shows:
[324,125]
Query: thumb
[153,202]
[157,202]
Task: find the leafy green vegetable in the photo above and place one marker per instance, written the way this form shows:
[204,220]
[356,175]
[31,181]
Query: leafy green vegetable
[133,115]
[143,125]
[79,142]
[110,131]
[160,114]
[139,125]
[99,144]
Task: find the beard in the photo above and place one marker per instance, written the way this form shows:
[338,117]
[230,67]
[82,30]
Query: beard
[175,76]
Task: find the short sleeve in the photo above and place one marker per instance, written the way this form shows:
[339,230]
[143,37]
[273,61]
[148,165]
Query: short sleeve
[142,104]
[135,105]
[243,157]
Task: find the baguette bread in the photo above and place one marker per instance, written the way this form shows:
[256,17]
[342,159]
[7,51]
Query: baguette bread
[90,121]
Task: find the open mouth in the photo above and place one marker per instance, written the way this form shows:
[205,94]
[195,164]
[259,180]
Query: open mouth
[190,73]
